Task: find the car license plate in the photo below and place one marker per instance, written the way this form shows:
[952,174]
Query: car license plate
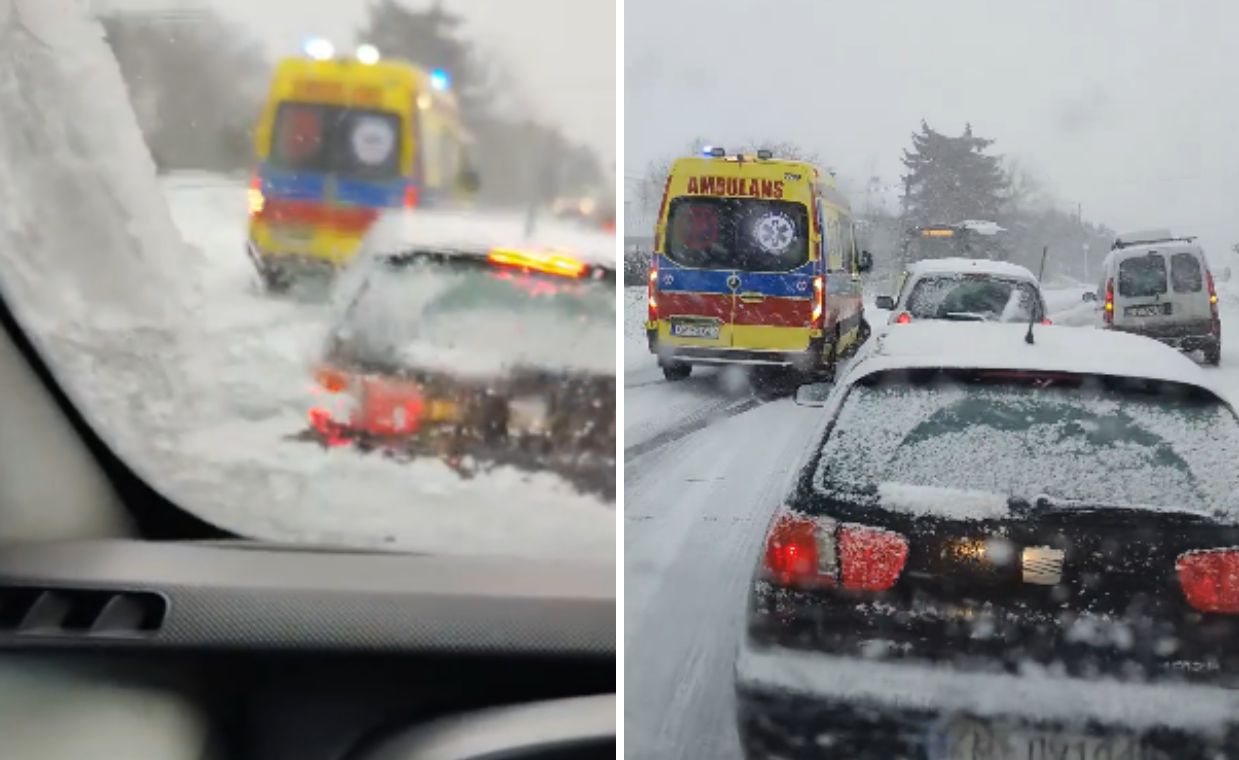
[1147,311]
[703,330]
[974,740]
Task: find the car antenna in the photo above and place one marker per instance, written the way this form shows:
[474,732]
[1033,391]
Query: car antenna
[1032,313]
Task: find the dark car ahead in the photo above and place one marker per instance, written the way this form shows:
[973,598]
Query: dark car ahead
[482,359]
[998,551]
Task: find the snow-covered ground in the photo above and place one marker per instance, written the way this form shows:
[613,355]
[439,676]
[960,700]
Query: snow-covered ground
[706,465]
[139,292]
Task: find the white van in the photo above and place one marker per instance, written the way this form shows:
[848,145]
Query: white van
[1162,289]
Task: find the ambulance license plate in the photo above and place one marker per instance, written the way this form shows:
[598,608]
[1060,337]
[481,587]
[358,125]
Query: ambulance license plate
[1147,311]
[974,740]
[701,330]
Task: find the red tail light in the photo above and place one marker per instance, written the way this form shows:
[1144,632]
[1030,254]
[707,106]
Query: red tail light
[1109,305]
[871,558]
[651,304]
[819,301]
[390,407]
[903,318]
[1046,322]
[1210,579]
[803,552]
[410,196]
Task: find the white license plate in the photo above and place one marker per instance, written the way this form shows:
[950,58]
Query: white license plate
[694,330]
[973,740]
[1144,311]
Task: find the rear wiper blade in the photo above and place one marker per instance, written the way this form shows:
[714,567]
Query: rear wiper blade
[1044,508]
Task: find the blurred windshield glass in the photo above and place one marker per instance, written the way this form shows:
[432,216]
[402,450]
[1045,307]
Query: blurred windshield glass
[188,186]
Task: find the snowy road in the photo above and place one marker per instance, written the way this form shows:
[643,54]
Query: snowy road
[704,469]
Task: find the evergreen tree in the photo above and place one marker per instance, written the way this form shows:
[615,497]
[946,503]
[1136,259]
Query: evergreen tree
[950,179]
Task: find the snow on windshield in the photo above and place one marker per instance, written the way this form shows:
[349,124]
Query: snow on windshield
[483,323]
[960,451]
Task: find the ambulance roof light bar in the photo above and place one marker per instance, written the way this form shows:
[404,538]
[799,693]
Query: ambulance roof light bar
[765,154]
[713,151]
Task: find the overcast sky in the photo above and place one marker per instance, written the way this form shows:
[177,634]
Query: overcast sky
[563,51]
[1128,108]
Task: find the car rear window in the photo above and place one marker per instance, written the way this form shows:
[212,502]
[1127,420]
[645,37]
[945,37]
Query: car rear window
[1142,276]
[737,233]
[1185,273]
[320,138]
[479,321]
[963,443]
[973,296]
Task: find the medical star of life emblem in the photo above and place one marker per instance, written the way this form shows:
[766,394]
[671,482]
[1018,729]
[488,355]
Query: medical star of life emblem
[1042,565]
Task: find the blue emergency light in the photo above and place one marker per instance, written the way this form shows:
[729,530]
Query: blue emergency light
[439,79]
[713,152]
[318,48]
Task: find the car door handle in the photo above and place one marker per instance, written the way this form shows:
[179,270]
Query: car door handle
[752,297]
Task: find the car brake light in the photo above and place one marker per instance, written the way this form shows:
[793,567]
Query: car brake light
[546,262]
[255,197]
[903,318]
[1046,322]
[819,302]
[803,552]
[410,196]
[651,302]
[1210,579]
[1109,305]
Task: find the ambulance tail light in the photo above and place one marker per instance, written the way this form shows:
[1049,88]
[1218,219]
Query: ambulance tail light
[411,196]
[1108,307]
[903,318]
[651,301]
[819,301]
[818,552]
[255,197]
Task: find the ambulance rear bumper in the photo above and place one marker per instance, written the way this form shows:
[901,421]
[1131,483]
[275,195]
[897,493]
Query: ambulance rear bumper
[812,358]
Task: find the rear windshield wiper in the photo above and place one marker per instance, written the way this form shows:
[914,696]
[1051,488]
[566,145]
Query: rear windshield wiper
[1045,509]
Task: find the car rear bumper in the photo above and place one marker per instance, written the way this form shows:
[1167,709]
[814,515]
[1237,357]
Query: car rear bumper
[794,704]
[1187,336]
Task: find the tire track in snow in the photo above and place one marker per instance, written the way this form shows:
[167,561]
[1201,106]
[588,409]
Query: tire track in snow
[692,424]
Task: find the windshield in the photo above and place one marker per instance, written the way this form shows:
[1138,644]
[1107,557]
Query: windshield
[189,184]
[1075,443]
[981,297]
[732,233]
[318,138]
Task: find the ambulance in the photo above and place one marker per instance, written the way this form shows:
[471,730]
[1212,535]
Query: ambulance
[755,263]
[339,139]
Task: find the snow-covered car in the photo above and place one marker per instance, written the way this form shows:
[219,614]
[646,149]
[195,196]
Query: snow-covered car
[1002,550]
[965,290]
[481,358]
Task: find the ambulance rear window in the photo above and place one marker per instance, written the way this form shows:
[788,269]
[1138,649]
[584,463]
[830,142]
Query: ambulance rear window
[737,233]
[320,138]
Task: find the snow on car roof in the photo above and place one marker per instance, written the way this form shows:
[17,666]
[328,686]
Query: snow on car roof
[991,345]
[973,266]
[400,230]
